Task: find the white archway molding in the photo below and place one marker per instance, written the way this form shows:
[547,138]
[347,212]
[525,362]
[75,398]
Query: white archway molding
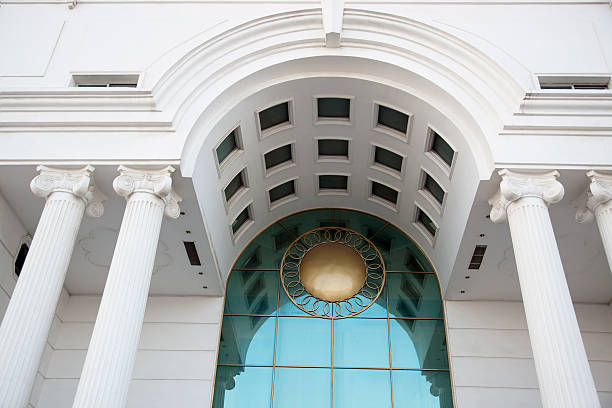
[462,82]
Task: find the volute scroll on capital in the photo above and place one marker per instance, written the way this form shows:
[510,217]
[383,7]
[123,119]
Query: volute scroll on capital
[78,182]
[599,192]
[153,181]
[517,185]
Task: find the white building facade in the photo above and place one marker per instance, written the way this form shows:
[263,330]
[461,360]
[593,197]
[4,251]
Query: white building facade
[147,145]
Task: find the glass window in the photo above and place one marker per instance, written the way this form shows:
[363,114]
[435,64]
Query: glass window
[442,148]
[228,145]
[333,182]
[303,341]
[282,191]
[424,220]
[233,186]
[278,156]
[251,292]
[239,387]
[393,119]
[414,295]
[355,388]
[333,108]
[384,192]
[418,343]
[272,353]
[240,220]
[301,388]
[274,116]
[388,158]
[361,343]
[421,389]
[333,147]
[247,341]
[433,188]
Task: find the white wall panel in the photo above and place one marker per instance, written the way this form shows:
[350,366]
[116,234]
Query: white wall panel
[175,362]
[491,354]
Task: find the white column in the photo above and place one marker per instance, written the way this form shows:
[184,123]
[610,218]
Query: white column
[23,334]
[107,372]
[561,363]
[598,205]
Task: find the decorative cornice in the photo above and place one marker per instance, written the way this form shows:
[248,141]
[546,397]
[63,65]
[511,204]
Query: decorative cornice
[517,185]
[78,182]
[598,193]
[152,181]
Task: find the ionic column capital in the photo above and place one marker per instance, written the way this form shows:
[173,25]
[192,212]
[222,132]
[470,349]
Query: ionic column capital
[517,185]
[153,181]
[78,182]
[599,192]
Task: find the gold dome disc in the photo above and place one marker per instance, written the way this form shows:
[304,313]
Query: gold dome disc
[332,271]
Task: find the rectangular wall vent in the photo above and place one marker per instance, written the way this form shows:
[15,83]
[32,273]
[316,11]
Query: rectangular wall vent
[574,82]
[105,81]
[477,257]
[192,253]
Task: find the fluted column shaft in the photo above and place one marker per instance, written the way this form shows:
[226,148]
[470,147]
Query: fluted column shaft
[563,371]
[603,215]
[598,204]
[107,372]
[30,312]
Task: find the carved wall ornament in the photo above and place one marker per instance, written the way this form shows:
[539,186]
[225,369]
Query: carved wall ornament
[517,185]
[78,182]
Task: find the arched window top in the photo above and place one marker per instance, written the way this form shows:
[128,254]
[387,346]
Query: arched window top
[273,353]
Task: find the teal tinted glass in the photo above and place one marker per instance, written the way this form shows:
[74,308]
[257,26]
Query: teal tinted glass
[303,341]
[247,340]
[417,343]
[239,387]
[227,146]
[251,292]
[267,249]
[414,295]
[361,343]
[283,356]
[421,389]
[400,252]
[355,388]
[302,387]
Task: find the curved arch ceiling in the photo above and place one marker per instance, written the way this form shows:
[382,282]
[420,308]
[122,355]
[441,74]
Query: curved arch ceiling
[363,136]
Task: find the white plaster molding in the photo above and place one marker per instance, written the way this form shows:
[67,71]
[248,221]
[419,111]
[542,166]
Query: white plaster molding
[333,12]
[517,185]
[152,181]
[598,192]
[78,182]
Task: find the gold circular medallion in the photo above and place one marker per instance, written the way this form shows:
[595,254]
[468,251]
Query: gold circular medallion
[332,271]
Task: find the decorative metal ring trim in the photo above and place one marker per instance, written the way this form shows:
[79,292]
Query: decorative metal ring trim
[363,299]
